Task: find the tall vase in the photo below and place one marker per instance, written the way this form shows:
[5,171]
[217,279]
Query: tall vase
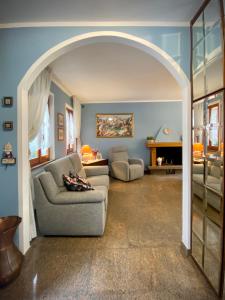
[10,257]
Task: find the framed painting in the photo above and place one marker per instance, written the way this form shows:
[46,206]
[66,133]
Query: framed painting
[60,134]
[60,120]
[119,125]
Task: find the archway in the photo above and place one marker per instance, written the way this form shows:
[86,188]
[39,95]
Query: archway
[22,119]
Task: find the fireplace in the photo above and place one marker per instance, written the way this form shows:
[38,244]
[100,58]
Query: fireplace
[171,152]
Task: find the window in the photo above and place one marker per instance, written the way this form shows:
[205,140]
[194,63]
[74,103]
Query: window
[69,130]
[40,146]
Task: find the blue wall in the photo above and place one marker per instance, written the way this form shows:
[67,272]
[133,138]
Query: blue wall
[148,118]
[21,47]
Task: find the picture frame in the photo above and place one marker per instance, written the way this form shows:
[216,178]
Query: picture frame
[60,120]
[7,101]
[8,125]
[60,134]
[115,125]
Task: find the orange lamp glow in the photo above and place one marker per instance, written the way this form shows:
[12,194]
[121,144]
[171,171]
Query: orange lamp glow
[86,152]
[86,149]
[198,147]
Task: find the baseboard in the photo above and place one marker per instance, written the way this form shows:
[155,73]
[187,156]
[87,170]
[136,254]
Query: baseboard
[185,251]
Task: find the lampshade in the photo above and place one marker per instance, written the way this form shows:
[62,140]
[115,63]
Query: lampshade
[197,147]
[86,149]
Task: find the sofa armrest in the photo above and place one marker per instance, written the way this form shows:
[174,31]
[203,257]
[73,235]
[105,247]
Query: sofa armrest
[136,161]
[120,170]
[96,170]
[94,196]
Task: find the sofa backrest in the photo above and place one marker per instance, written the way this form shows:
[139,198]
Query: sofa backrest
[58,168]
[77,165]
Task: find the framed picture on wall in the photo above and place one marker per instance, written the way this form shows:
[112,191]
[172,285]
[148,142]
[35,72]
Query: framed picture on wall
[119,125]
[60,120]
[60,134]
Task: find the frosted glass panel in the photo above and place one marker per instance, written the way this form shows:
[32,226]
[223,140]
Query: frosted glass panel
[197,250]
[197,223]
[213,47]
[212,268]
[198,30]
[198,70]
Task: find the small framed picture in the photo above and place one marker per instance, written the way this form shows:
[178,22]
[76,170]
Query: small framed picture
[60,134]
[60,120]
[8,125]
[7,101]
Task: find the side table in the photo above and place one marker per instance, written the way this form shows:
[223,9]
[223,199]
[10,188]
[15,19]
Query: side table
[95,162]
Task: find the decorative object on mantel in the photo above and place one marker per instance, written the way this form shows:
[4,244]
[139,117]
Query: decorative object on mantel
[117,125]
[10,257]
[7,101]
[159,161]
[7,155]
[150,139]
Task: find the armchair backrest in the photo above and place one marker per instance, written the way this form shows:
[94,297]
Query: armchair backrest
[119,153]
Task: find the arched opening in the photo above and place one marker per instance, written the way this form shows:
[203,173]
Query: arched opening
[50,56]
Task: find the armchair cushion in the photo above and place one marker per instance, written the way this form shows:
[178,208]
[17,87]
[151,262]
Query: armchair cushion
[96,170]
[120,170]
[136,161]
[136,171]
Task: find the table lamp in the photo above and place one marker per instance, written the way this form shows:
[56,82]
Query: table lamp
[86,152]
[198,149]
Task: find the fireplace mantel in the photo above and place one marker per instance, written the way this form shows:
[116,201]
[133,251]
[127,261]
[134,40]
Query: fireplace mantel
[164,144]
[153,155]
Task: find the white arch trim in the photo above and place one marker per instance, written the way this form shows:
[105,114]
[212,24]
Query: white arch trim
[22,119]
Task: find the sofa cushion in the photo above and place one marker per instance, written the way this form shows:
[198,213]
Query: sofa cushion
[60,167]
[96,170]
[135,171]
[94,196]
[49,186]
[120,156]
[102,180]
[77,165]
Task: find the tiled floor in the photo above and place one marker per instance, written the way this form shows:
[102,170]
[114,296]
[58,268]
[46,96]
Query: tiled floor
[138,257]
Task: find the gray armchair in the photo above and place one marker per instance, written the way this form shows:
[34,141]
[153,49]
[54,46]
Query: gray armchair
[123,167]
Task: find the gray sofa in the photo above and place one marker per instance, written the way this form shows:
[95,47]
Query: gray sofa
[61,212]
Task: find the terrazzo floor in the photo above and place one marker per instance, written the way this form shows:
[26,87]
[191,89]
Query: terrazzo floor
[138,257]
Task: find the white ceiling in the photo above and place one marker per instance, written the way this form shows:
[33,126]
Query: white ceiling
[97,10]
[111,72]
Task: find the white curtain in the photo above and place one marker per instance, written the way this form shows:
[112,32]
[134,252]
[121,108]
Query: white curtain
[37,101]
[77,120]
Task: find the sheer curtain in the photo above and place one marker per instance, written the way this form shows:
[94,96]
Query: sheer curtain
[77,120]
[37,102]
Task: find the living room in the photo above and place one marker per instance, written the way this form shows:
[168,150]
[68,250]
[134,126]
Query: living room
[103,106]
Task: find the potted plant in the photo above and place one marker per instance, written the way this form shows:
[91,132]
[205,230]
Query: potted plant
[150,139]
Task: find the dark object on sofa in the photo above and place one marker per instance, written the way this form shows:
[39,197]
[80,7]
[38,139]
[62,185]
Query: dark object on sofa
[10,257]
[76,183]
